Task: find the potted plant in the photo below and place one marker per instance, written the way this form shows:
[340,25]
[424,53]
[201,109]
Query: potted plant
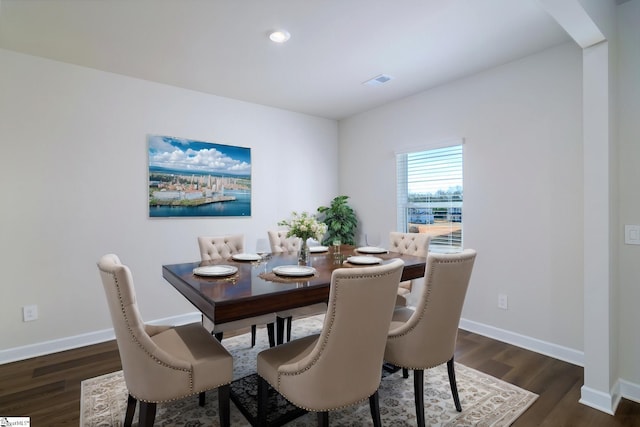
[341,221]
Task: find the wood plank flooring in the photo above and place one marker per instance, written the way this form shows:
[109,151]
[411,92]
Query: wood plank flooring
[47,388]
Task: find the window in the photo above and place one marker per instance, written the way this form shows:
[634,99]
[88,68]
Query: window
[430,195]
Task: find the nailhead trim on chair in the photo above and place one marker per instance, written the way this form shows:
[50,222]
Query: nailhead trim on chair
[160,362]
[322,347]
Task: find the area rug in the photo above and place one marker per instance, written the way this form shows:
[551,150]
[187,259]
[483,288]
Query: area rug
[486,401]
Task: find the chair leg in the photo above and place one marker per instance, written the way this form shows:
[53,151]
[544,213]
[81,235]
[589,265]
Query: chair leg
[201,399]
[405,373]
[418,390]
[131,409]
[147,414]
[223,405]
[218,336]
[374,405]
[253,335]
[452,383]
[272,335]
[263,396]
[289,322]
[280,329]
[323,419]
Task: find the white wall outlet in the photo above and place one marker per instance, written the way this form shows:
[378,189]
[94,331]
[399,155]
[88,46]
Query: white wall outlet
[29,313]
[503,302]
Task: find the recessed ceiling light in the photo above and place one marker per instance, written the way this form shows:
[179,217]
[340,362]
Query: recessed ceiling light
[279,36]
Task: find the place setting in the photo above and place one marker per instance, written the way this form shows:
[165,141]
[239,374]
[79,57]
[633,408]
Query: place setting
[289,273]
[372,245]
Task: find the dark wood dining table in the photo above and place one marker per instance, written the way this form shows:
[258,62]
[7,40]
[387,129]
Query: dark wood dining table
[255,290]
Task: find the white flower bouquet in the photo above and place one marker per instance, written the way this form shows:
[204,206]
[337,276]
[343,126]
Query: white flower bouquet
[304,226]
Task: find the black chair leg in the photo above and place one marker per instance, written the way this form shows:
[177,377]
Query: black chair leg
[131,409]
[280,329]
[147,414]
[289,322]
[374,405]
[263,396]
[201,399]
[323,419]
[218,336]
[272,335]
[418,390]
[253,335]
[453,384]
[405,373]
[224,406]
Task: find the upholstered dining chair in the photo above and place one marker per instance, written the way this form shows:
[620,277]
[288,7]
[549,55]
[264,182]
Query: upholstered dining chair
[341,365]
[162,363]
[416,244]
[221,247]
[425,337]
[280,243]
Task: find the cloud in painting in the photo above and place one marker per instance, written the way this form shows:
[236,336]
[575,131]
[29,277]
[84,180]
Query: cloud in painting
[194,156]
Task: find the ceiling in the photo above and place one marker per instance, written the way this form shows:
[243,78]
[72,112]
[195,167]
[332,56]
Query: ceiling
[221,46]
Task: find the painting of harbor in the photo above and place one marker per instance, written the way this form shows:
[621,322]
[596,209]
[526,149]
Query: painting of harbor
[189,178]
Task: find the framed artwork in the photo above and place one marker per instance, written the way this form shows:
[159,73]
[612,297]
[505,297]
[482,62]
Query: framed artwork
[190,178]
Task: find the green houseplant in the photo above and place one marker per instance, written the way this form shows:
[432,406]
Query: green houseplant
[341,221]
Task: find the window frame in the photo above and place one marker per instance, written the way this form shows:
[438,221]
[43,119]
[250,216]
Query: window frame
[454,208]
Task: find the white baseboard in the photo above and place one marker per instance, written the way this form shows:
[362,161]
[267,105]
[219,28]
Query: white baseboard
[566,354]
[605,402]
[68,343]
[630,391]
[590,397]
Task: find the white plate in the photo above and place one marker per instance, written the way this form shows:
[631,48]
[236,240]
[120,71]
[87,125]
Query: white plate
[294,270]
[215,270]
[371,250]
[314,249]
[367,260]
[246,257]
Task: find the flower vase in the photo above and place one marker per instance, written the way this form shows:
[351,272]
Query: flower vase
[303,253]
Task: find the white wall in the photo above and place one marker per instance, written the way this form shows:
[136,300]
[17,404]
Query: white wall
[73,171]
[521,123]
[629,177]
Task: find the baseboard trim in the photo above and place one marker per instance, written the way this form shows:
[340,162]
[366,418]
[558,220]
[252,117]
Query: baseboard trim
[630,391]
[605,402]
[543,347]
[54,346]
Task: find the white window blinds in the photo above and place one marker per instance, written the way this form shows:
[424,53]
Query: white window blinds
[430,195]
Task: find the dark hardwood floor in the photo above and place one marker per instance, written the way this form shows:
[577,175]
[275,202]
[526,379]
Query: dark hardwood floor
[47,388]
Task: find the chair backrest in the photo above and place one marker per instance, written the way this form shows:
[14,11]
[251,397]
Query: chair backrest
[344,366]
[430,333]
[220,247]
[416,244]
[281,243]
[147,368]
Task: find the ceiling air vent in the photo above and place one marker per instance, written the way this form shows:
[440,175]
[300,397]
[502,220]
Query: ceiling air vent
[378,80]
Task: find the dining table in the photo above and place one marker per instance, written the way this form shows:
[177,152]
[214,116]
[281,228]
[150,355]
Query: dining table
[254,289]
[247,285]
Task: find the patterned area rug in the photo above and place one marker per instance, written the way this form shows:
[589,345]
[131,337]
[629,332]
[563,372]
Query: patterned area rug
[486,401]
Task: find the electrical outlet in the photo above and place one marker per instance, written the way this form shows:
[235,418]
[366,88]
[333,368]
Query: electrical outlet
[29,313]
[503,302]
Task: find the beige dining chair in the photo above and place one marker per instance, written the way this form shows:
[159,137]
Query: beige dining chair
[162,363]
[223,247]
[341,365]
[280,243]
[416,244]
[425,337]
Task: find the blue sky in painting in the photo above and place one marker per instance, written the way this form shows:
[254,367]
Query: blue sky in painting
[196,156]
